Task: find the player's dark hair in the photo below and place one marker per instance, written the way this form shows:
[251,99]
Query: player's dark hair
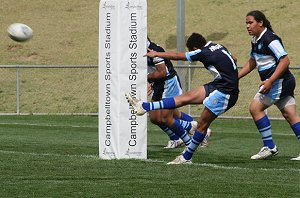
[196,40]
[259,16]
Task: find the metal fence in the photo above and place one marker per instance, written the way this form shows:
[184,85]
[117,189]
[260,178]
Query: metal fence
[73,90]
[49,90]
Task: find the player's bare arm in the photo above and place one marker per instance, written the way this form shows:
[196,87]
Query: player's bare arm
[168,55]
[247,68]
[160,73]
[282,66]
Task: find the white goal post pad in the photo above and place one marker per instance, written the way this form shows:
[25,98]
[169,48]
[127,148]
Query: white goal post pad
[122,68]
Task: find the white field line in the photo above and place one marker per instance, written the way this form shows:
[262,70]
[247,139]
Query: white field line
[209,165]
[48,154]
[229,167]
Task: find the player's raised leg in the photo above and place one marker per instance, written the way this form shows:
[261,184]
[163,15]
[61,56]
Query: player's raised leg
[195,96]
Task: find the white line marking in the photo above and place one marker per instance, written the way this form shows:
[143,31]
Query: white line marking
[47,154]
[229,167]
[209,165]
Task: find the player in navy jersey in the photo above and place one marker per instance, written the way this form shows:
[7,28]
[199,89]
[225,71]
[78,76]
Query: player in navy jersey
[164,82]
[277,87]
[217,96]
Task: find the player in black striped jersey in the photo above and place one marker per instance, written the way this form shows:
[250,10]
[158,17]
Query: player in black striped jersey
[218,96]
[164,82]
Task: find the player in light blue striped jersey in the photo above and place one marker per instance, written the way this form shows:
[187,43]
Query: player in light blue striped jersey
[278,83]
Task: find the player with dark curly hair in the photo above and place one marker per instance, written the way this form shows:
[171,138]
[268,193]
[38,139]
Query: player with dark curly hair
[217,96]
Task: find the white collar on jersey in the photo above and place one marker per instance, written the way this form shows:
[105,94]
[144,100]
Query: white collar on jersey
[148,43]
[256,39]
[209,42]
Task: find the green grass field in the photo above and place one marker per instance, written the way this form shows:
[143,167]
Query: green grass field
[57,156]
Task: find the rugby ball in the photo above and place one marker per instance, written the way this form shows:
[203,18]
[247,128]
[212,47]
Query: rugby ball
[19,32]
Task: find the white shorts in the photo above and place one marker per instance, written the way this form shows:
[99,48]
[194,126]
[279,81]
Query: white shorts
[280,103]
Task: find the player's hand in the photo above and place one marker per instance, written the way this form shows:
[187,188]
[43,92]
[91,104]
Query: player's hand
[265,87]
[149,89]
[150,53]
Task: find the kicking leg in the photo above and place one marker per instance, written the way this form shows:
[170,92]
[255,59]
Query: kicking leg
[195,96]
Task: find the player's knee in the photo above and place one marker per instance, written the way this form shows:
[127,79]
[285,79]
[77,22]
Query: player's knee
[253,110]
[287,117]
[155,120]
[168,121]
[290,118]
[160,121]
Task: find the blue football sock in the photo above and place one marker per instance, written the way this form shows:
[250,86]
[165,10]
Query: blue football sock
[196,140]
[185,124]
[264,127]
[166,103]
[169,132]
[179,131]
[296,129]
[186,117]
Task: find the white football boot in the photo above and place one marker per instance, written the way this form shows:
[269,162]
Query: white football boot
[136,104]
[173,144]
[264,153]
[296,158]
[180,160]
[204,143]
[194,127]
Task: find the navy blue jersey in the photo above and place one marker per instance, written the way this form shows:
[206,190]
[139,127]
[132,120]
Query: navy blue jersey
[267,51]
[217,59]
[152,62]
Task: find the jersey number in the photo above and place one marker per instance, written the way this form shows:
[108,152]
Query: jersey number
[230,57]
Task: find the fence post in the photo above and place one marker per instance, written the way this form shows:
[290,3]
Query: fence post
[18,89]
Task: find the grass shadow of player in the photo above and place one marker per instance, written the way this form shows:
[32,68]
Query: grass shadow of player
[216,36]
[171,42]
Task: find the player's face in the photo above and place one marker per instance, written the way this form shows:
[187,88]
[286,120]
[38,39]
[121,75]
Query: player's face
[192,49]
[254,27]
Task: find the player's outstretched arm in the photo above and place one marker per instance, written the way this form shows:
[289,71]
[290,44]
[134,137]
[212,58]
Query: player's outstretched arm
[168,55]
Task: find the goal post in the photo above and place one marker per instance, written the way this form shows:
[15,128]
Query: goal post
[122,68]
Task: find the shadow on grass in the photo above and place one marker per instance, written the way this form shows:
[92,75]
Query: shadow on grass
[171,41]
